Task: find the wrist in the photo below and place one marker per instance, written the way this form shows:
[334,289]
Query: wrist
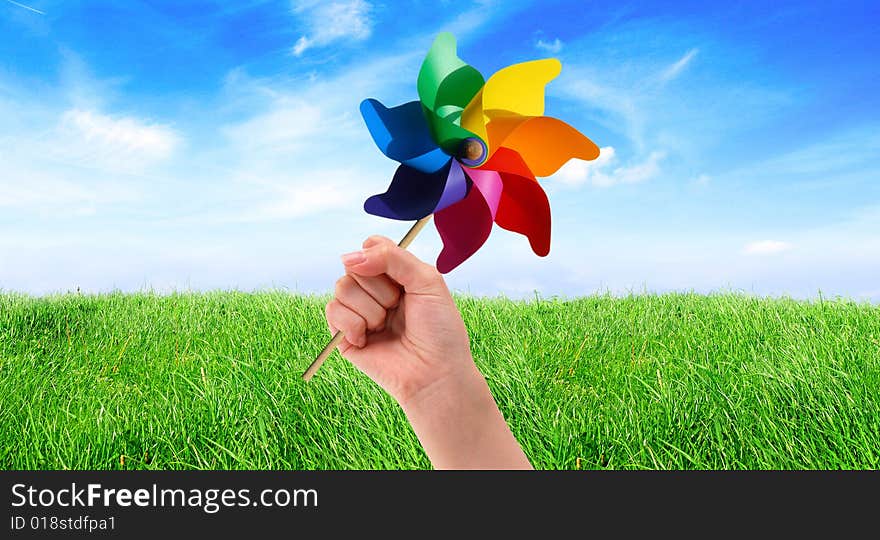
[460,426]
[458,392]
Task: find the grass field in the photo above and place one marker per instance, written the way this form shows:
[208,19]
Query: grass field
[649,381]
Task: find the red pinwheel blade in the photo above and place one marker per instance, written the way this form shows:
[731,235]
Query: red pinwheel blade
[509,161]
[524,209]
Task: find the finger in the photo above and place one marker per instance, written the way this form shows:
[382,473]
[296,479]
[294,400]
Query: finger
[384,257]
[348,322]
[343,345]
[352,296]
[381,288]
[372,241]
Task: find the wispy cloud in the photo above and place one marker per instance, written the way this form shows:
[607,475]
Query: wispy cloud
[678,66]
[81,161]
[329,22]
[766,247]
[552,47]
[305,151]
[602,171]
[701,181]
[851,151]
[325,189]
[29,8]
[111,177]
[123,142]
[48,190]
[288,126]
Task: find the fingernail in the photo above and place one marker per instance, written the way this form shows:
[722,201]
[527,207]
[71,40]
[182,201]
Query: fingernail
[353,258]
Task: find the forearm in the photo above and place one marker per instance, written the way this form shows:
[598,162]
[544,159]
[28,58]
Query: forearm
[460,427]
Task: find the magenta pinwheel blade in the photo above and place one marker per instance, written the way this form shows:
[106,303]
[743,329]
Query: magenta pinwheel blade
[465,226]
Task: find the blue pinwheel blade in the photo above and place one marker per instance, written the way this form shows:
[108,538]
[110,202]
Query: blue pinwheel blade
[402,135]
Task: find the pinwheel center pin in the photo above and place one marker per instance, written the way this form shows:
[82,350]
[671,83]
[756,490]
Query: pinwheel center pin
[470,151]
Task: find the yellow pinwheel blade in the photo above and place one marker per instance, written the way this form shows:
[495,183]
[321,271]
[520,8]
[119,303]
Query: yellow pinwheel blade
[516,90]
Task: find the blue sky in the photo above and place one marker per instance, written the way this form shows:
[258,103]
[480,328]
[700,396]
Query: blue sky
[202,145]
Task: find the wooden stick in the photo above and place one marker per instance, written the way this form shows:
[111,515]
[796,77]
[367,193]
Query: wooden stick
[337,337]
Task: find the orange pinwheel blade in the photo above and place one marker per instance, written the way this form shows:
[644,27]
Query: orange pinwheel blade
[544,143]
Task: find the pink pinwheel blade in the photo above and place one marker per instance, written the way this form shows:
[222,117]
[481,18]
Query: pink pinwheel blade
[465,226]
[490,186]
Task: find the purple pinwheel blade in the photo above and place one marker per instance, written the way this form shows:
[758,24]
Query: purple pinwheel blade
[456,186]
[402,134]
[414,194]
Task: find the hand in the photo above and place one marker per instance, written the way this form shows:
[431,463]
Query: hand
[401,325]
[403,330]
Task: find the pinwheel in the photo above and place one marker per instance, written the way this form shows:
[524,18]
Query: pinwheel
[470,151]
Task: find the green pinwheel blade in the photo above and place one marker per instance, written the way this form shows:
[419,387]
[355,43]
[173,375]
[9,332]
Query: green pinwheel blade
[446,85]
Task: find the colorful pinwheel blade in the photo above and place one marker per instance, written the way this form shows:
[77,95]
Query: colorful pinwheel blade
[446,84]
[447,134]
[516,90]
[401,134]
[507,160]
[544,143]
[465,226]
[414,194]
[525,209]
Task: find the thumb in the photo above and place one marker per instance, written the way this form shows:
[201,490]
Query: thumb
[382,256]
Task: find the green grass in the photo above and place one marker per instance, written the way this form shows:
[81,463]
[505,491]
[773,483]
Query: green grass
[650,381]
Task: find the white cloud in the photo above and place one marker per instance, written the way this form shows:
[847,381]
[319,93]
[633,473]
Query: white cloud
[289,125]
[602,173]
[766,247]
[76,162]
[855,152]
[551,47]
[328,22]
[619,103]
[53,190]
[300,149]
[678,66]
[301,45]
[326,189]
[123,141]
[701,181]
[577,171]
[306,151]
[279,160]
